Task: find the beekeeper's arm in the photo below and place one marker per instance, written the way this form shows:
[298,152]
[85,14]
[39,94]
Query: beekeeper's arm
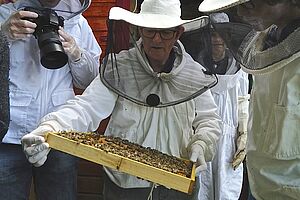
[83,113]
[202,146]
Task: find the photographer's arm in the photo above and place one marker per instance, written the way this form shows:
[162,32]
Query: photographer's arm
[84,54]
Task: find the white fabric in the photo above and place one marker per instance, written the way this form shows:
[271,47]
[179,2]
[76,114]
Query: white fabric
[153,14]
[273,133]
[35,149]
[220,181]
[197,156]
[217,5]
[172,130]
[35,90]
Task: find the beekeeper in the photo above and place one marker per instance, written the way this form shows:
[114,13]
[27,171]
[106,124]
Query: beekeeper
[272,56]
[231,97]
[46,60]
[156,94]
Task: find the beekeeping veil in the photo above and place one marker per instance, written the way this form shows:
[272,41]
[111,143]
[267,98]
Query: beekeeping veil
[254,49]
[206,46]
[129,74]
[4,92]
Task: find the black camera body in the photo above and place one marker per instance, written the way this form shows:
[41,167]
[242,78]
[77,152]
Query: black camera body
[48,22]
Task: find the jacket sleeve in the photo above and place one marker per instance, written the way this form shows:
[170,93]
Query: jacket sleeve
[84,112]
[87,68]
[206,125]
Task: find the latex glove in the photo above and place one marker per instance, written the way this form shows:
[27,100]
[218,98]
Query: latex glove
[69,44]
[16,27]
[35,147]
[197,156]
[243,113]
[240,153]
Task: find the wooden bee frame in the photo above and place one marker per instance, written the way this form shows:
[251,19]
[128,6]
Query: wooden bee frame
[123,164]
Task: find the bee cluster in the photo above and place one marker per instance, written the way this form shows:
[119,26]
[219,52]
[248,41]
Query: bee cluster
[132,151]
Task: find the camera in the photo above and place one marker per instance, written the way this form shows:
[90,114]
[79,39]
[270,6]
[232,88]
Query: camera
[52,52]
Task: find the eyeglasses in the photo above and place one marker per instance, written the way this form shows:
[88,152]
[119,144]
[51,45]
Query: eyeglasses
[165,34]
[248,5]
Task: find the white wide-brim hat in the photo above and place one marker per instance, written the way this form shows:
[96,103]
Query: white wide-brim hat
[217,5]
[158,14]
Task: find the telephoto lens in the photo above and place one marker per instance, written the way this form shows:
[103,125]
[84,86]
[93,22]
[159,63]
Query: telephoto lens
[48,22]
[52,53]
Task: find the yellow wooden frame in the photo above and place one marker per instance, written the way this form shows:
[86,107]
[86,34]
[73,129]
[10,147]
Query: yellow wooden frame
[123,164]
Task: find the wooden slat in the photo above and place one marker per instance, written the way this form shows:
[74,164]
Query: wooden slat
[122,164]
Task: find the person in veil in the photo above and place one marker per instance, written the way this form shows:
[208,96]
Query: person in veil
[231,96]
[36,90]
[144,92]
[272,56]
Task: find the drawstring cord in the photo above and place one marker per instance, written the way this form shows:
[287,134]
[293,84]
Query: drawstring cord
[150,196]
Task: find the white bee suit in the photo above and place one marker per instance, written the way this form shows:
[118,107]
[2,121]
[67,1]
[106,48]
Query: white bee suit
[220,181]
[273,146]
[168,129]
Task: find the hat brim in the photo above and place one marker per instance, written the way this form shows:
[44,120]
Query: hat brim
[196,24]
[218,5]
[146,20]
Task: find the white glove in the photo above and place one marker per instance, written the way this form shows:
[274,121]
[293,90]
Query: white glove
[197,156]
[35,147]
[240,153]
[243,107]
[69,44]
[16,27]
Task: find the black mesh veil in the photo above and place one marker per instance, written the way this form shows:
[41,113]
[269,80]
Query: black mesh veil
[233,34]
[126,70]
[255,49]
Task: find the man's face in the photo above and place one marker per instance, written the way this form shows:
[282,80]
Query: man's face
[262,15]
[218,47]
[49,3]
[158,43]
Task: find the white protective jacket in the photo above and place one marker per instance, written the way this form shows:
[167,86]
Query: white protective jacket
[35,90]
[220,181]
[273,160]
[171,130]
